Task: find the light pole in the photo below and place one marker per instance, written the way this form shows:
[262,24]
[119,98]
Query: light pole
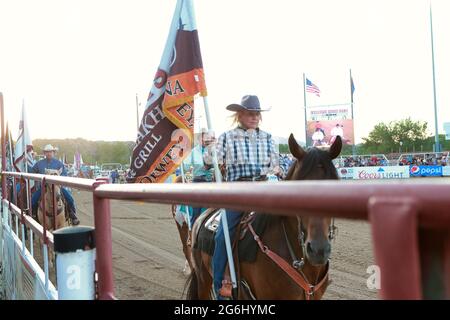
[437,147]
[400,148]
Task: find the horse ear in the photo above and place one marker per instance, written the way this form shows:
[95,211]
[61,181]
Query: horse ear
[335,148]
[296,150]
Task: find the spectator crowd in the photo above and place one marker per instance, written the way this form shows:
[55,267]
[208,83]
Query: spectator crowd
[362,161]
[425,159]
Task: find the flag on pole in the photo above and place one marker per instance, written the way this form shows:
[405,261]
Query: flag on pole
[9,149]
[165,135]
[23,148]
[312,88]
[77,161]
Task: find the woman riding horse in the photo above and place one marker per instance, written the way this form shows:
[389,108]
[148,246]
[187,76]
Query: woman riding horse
[282,269]
[248,154]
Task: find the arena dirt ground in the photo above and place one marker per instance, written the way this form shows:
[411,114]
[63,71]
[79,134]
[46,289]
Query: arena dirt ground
[148,260]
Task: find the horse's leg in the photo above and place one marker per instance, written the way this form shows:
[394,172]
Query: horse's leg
[200,281]
[183,231]
[205,279]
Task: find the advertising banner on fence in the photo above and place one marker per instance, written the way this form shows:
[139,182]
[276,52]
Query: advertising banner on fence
[446,171]
[345,173]
[323,133]
[392,172]
[425,171]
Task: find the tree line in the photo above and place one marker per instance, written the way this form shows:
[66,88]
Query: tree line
[405,136]
[92,152]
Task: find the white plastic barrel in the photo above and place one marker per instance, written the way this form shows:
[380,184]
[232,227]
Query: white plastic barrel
[75,263]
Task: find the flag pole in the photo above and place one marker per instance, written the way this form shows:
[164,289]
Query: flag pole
[218,177]
[137,111]
[2,114]
[304,103]
[11,160]
[353,119]
[436,134]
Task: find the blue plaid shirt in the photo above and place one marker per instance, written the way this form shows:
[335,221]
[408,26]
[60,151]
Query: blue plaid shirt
[246,153]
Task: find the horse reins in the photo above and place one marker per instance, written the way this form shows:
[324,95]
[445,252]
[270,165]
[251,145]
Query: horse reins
[291,270]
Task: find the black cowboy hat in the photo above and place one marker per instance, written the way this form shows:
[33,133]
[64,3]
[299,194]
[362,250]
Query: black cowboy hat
[249,103]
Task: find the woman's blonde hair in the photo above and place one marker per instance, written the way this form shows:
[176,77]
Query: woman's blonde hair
[235,117]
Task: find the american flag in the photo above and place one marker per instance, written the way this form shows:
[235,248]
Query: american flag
[311,87]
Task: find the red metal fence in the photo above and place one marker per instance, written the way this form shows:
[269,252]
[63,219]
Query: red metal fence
[410,220]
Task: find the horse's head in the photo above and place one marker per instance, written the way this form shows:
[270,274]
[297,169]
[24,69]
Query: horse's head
[315,233]
[53,172]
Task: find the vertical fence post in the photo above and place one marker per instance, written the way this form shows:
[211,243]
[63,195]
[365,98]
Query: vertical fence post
[44,235]
[54,206]
[103,236]
[75,256]
[394,226]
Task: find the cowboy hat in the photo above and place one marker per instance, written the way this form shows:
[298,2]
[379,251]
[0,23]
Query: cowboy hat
[49,147]
[249,103]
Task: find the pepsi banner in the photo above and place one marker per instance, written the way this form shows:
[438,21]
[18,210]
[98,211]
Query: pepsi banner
[426,171]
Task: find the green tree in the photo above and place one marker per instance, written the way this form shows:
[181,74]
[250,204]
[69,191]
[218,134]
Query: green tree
[405,134]
[92,151]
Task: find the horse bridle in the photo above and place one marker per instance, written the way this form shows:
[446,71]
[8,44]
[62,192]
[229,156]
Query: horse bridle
[301,237]
[294,271]
[298,264]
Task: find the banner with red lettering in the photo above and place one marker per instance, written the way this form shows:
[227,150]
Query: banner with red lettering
[165,135]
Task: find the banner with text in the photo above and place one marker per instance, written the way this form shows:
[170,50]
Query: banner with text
[165,136]
[426,171]
[391,172]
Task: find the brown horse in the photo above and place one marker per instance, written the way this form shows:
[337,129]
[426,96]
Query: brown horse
[51,222]
[292,259]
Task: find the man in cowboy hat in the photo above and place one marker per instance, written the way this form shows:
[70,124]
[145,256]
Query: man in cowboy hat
[49,162]
[248,154]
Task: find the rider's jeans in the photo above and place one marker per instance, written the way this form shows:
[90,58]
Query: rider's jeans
[66,194]
[220,259]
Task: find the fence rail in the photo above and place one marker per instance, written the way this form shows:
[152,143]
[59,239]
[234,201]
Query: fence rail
[341,199]
[408,220]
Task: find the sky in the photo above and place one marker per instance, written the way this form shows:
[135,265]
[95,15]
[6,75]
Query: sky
[78,64]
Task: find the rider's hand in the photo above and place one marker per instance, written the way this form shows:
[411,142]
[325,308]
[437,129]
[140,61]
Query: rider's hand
[277,171]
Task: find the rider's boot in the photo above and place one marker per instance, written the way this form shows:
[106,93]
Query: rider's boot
[225,291]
